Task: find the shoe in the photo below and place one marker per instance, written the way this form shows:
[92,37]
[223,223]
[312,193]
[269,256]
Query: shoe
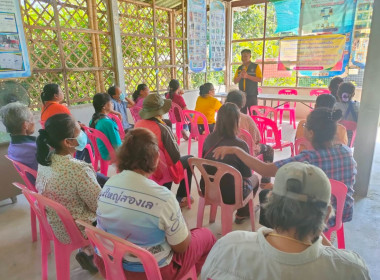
[185,135]
[183,202]
[240,220]
[86,262]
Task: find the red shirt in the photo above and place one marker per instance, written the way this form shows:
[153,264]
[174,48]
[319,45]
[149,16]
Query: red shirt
[52,108]
[178,99]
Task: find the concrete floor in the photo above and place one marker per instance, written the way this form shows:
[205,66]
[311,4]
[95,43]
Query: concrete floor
[20,258]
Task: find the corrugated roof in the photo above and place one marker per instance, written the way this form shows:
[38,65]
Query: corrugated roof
[171,4]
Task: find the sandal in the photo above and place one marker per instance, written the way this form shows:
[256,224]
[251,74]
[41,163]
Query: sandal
[86,262]
[183,202]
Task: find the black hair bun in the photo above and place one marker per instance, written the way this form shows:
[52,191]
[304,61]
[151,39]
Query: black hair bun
[336,115]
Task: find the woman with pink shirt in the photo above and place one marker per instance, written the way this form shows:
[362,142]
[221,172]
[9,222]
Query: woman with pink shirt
[140,93]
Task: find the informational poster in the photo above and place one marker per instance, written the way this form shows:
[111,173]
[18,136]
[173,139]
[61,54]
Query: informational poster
[362,29]
[14,59]
[217,28]
[329,17]
[197,35]
[287,15]
[320,52]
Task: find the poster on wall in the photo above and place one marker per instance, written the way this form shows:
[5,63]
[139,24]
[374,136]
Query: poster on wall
[321,52]
[14,59]
[197,35]
[287,15]
[329,17]
[217,29]
[362,29]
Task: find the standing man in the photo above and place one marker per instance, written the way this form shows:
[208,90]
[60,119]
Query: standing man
[248,75]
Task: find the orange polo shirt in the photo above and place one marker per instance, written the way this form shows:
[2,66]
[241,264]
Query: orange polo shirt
[52,108]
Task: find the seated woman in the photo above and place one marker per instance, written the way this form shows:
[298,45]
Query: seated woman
[295,248]
[225,134]
[208,105]
[335,160]
[324,101]
[175,94]
[140,93]
[103,105]
[64,179]
[157,223]
[120,105]
[246,122]
[51,97]
[172,168]
[19,122]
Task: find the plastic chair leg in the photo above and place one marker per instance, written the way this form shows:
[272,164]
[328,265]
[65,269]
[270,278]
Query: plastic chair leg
[104,167]
[201,210]
[294,119]
[213,211]
[226,220]
[252,214]
[33,224]
[187,189]
[178,132]
[62,262]
[281,112]
[45,251]
[340,237]
[189,146]
[201,140]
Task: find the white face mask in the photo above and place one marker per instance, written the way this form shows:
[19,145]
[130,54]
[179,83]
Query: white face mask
[82,141]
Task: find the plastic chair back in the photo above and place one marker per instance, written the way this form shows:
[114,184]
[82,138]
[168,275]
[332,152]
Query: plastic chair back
[350,126]
[176,117]
[192,117]
[94,134]
[24,171]
[339,191]
[287,91]
[113,249]
[116,119]
[264,111]
[319,91]
[135,113]
[304,143]
[247,138]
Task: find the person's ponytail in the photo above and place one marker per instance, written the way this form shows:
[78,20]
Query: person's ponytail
[336,115]
[43,149]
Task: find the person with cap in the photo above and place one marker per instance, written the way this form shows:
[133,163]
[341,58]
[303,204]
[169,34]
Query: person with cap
[172,165]
[248,75]
[298,209]
[335,160]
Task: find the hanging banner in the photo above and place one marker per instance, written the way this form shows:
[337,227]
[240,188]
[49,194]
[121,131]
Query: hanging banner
[362,29]
[217,36]
[14,59]
[320,52]
[287,15]
[333,17]
[197,35]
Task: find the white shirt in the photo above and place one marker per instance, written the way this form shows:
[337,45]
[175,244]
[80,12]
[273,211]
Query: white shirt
[139,210]
[247,255]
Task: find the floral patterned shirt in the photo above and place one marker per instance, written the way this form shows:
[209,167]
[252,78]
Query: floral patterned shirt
[73,184]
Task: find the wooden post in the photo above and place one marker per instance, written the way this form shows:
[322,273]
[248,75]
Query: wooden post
[90,12]
[228,46]
[155,46]
[117,52]
[184,47]
[173,72]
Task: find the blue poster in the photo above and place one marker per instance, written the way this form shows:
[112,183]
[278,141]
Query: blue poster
[288,15]
[217,28]
[14,59]
[329,17]
[197,35]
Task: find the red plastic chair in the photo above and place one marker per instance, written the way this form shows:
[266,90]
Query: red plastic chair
[192,117]
[287,107]
[247,138]
[264,111]
[350,126]
[93,135]
[339,190]
[135,113]
[116,119]
[62,251]
[271,135]
[176,117]
[318,92]
[23,171]
[304,143]
[213,194]
[115,248]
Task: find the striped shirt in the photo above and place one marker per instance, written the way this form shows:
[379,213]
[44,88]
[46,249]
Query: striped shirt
[338,164]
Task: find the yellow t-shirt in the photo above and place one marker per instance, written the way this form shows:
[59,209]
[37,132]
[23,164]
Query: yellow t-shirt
[258,74]
[207,106]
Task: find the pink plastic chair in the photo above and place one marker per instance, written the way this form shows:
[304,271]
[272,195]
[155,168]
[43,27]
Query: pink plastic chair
[350,126]
[116,119]
[339,190]
[213,194]
[62,251]
[192,117]
[306,145]
[176,117]
[318,92]
[287,107]
[23,171]
[93,135]
[271,135]
[264,111]
[247,138]
[135,113]
[113,246]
